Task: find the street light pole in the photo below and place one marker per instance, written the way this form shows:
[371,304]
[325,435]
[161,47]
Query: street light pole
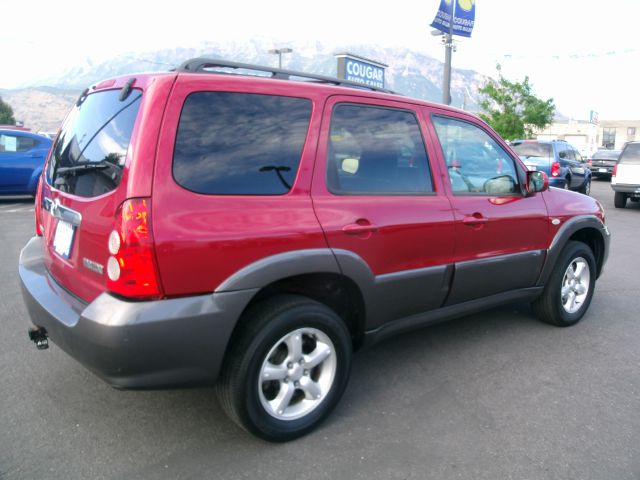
[279,52]
[448,50]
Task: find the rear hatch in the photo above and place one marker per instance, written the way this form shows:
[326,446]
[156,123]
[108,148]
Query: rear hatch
[628,170]
[535,155]
[605,159]
[85,182]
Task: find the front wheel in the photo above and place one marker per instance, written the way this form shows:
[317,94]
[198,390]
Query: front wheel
[287,368]
[569,290]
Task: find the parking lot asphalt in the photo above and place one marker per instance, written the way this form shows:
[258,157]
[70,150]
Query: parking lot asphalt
[496,395]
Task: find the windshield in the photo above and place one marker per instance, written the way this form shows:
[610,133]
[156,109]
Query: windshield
[533,149]
[89,155]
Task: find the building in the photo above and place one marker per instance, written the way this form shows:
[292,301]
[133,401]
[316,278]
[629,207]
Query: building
[588,137]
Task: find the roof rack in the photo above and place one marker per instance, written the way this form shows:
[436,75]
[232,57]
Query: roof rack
[202,64]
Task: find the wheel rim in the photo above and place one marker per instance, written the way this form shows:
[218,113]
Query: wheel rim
[297,374]
[587,188]
[575,285]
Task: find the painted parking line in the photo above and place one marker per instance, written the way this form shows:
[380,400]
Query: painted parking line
[31,209]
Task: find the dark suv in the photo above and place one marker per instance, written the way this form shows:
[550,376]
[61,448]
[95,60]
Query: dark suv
[197,225]
[562,163]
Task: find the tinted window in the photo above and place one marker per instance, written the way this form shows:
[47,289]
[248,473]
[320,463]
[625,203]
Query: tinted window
[475,162]
[606,155]
[533,149]
[15,143]
[240,144]
[631,154]
[376,151]
[89,154]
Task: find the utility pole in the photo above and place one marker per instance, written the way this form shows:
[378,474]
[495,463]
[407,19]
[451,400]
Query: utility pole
[448,50]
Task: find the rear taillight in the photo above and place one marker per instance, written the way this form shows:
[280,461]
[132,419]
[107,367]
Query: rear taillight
[38,209]
[131,268]
[615,170]
[555,169]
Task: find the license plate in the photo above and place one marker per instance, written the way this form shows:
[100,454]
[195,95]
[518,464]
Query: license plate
[602,170]
[532,168]
[63,238]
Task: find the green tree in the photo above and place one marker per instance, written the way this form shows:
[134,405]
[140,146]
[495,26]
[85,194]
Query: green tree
[512,109]
[6,114]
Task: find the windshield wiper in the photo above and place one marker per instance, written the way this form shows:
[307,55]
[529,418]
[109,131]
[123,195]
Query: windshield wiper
[83,167]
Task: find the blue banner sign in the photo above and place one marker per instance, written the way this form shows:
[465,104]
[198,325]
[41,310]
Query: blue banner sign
[359,71]
[593,117]
[464,15]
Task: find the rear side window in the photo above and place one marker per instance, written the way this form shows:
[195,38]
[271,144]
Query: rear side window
[376,151]
[13,143]
[631,154]
[240,144]
[89,154]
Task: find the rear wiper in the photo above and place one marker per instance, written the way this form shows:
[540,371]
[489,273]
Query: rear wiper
[83,167]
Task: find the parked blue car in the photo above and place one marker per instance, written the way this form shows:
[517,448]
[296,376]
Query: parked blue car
[22,156]
[562,163]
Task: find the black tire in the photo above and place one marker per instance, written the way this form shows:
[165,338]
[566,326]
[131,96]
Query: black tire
[620,199]
[549,307]
[586,187]
[567,183]
[265,325]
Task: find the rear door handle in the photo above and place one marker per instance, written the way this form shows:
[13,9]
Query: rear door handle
[474,220]
[359,228]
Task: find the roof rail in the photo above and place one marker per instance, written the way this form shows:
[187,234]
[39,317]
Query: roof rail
[202,64]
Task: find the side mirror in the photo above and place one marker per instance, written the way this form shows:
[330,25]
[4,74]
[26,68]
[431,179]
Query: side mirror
[537,181]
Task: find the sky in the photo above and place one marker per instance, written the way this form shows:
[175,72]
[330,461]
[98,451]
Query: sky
[583,54]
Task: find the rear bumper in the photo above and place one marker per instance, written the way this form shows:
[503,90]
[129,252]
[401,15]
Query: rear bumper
[626,188]
[557,182]
[133,344]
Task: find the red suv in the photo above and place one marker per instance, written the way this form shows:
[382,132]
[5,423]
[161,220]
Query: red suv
[197,225]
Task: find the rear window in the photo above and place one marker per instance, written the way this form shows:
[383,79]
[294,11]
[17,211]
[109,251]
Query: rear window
[631,154]
[607,154]
[89,154]
[533,149]
[240,144]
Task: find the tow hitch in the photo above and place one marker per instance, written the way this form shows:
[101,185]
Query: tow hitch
[38,335]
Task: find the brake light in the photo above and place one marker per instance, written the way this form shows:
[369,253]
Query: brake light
[38,209]
[555,169]
[615,170]
[131,268]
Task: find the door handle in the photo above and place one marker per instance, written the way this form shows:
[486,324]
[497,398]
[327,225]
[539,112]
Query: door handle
[474,220]
[359,228]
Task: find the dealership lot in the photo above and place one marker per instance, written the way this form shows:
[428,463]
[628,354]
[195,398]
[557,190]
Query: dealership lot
[493,395]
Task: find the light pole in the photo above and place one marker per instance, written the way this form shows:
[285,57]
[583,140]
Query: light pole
[448,50]
[279,52]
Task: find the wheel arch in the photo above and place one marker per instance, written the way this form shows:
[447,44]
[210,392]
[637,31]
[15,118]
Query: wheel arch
[587,229]
[310,273]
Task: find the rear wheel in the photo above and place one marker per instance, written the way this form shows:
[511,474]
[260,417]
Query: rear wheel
[620,199]
[287,368]
[567,295]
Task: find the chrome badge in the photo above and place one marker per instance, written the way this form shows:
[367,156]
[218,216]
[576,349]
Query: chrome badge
[93,266]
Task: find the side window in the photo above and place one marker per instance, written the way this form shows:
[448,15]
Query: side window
[476,163]
[239,143]
[569,153]
[14,143]
[375,150]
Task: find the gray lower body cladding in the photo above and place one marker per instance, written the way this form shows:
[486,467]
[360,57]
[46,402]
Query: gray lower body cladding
[133,344]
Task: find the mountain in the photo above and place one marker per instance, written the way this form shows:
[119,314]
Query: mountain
[43,103]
